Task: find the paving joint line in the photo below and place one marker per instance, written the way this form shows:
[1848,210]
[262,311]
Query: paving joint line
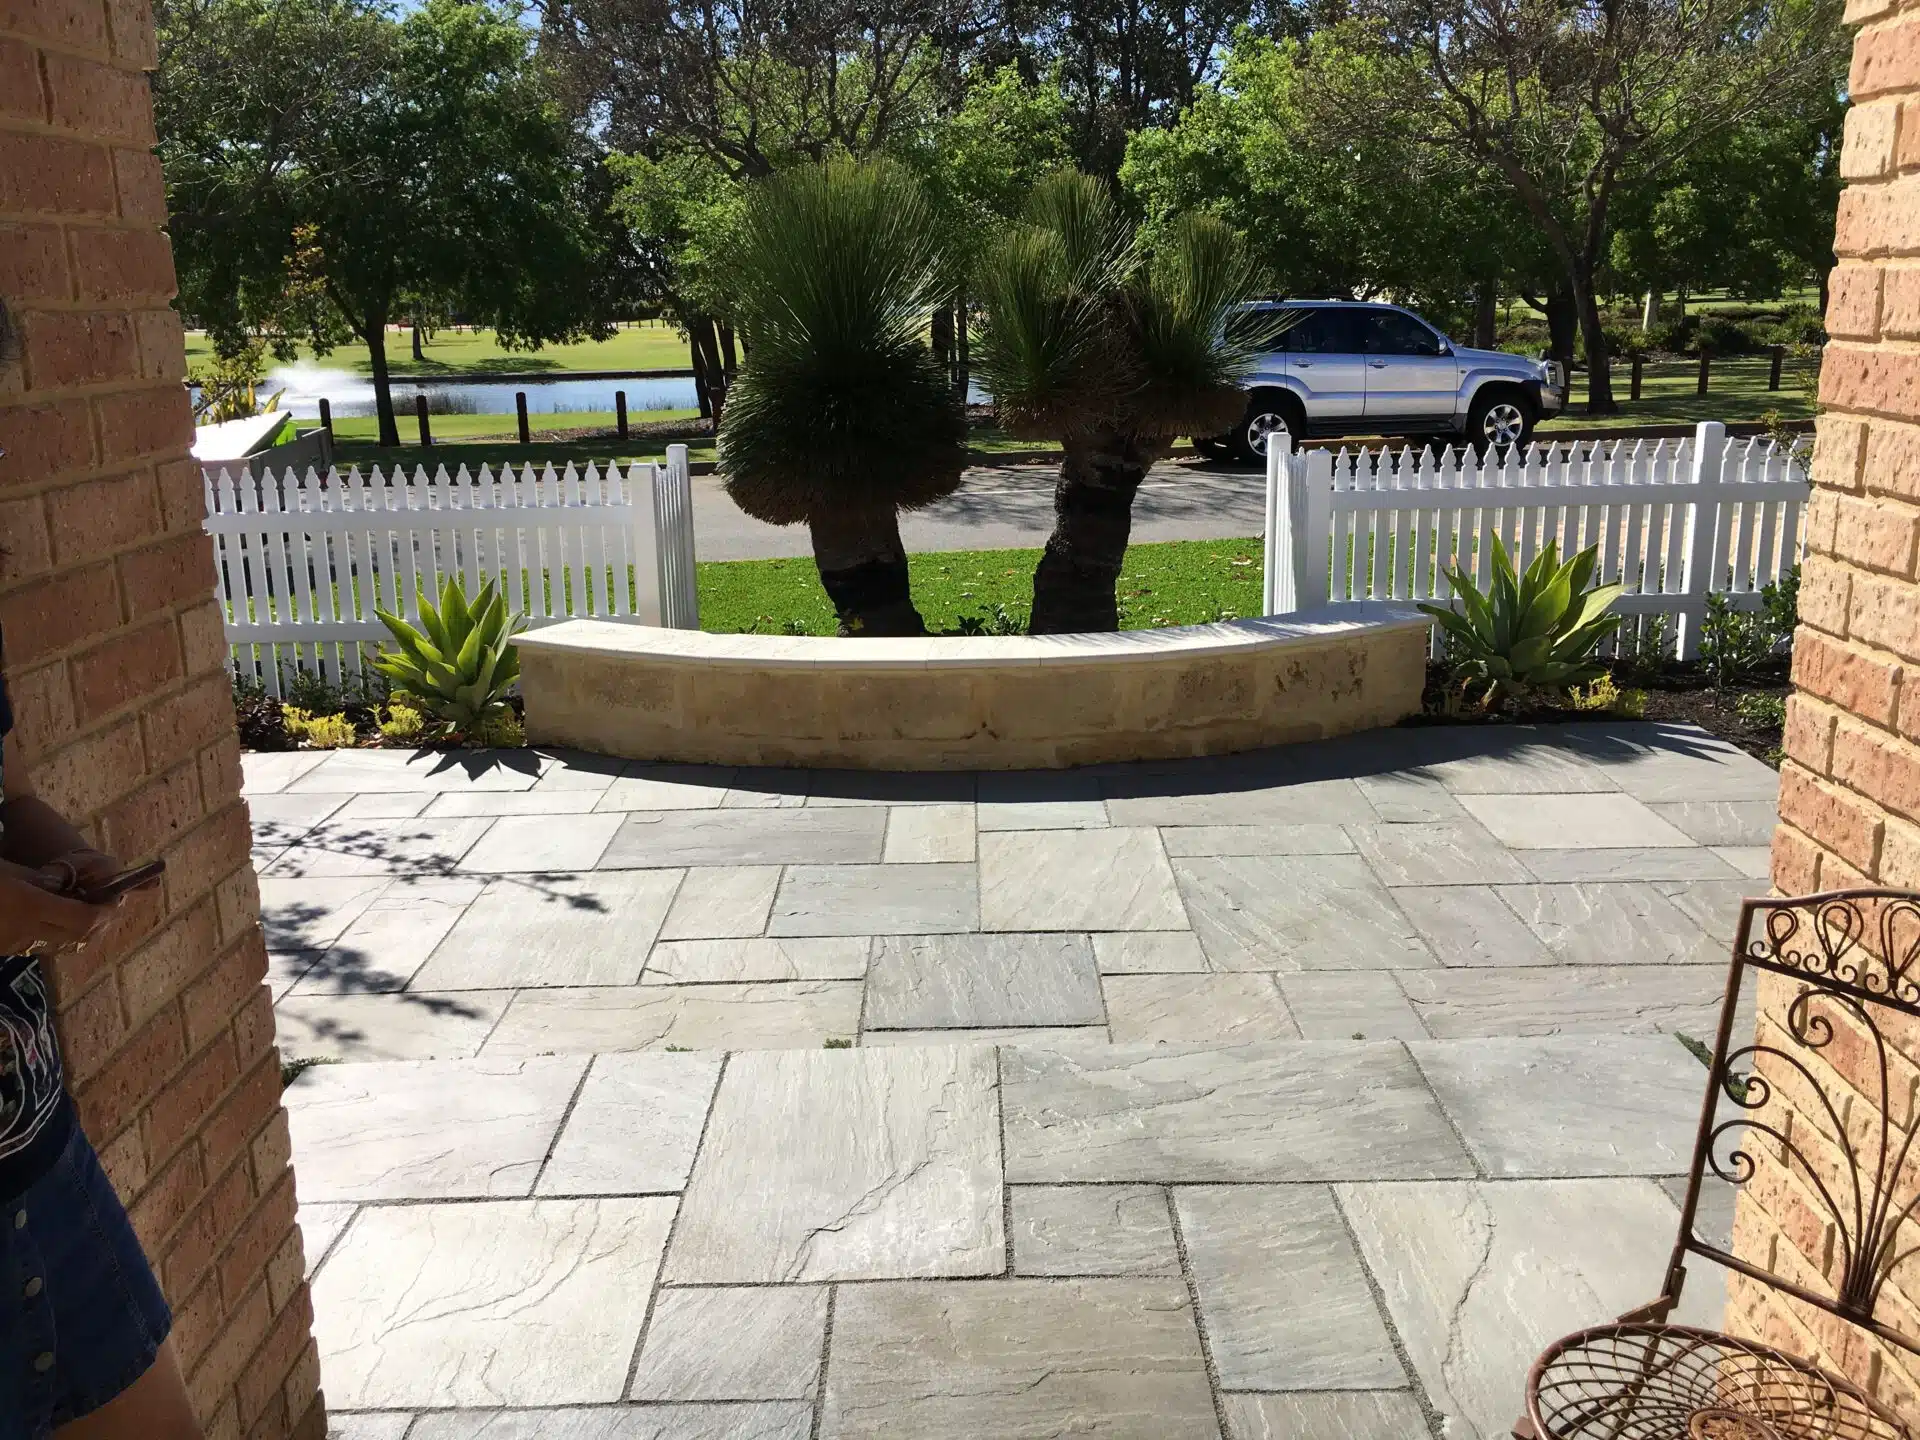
[1435,1419]
[1214,1390]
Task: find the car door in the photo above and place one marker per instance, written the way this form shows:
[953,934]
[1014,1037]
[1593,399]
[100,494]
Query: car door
[1327,364]
[1411,371]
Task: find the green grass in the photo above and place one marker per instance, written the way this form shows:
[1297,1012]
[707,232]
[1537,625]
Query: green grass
[1178,582]
[506,427]
[650,345]
[496,453]
[1736,390]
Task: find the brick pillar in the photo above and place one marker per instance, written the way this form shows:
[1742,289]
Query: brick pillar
[115,657]
[1850,786]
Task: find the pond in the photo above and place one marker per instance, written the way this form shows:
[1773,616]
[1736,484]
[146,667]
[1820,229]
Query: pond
[305,386]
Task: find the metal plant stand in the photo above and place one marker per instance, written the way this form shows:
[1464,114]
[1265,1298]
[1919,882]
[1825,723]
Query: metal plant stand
[1854,957]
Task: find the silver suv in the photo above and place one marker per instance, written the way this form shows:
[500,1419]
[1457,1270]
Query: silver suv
[1346,367]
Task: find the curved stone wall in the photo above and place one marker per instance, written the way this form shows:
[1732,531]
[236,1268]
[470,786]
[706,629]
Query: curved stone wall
[972,702]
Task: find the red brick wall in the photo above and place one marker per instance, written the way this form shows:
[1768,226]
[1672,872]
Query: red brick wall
[1850,786]
[114,655]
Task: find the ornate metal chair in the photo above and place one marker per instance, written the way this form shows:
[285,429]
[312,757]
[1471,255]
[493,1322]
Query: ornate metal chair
[1855,958]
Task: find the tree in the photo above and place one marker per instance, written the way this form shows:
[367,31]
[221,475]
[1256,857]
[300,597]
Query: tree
[1113,350]
[1570,101]
[1363,215]
[440,175]
[841,418]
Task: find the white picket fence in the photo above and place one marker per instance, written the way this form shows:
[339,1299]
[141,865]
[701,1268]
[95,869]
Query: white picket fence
[302,561]
[1675,520]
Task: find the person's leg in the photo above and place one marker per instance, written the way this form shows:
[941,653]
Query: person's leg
[154,1407]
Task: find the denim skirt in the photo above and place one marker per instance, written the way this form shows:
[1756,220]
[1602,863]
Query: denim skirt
[81,1317]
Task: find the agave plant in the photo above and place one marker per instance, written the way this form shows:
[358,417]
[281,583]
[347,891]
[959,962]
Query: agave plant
[841,417]
[1113,348]
[459,663]
[1537,631]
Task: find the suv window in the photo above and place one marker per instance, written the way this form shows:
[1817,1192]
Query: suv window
[1324,332]
[1391,333]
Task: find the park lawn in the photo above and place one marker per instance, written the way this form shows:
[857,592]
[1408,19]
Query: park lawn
[649,345]
[506,427]
[1176,582]
[1736,390]
[473,455]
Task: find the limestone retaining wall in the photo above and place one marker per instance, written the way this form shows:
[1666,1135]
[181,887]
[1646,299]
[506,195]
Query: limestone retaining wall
[974,702]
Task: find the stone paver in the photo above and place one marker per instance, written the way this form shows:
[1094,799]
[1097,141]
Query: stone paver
[736,1343]
[1286,1304]
[553,930]
[520,1302]
[428,1131]
[634,1128]
[937,981]
[1295,912]
[1574,1105]
[1021,1360]
[1092,1230]
[864,1164]
[1055,1126]
[691,1017]
[1168,1114]
[1112,879]
[1479,1278]
[1221,1009]
[1365,1415]
[875,900]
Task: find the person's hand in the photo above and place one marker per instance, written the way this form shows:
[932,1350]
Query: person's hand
[79,870]
[31,914]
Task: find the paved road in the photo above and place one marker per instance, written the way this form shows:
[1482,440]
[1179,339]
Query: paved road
[1005,506]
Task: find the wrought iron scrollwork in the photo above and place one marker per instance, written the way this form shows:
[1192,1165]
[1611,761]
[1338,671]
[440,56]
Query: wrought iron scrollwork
[1826,939]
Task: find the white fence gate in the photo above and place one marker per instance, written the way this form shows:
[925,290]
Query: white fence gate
[302,561]
[1676,521]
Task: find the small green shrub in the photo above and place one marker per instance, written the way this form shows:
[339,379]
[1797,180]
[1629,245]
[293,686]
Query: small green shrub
[1762,710]
[1723,335]
[1537,631]
[403,724]
[998,621]
[262,720]
[318,732]
[461,661]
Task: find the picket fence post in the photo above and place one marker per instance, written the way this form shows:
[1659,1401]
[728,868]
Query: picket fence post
[673,529]
[1299,522]
[1704,546]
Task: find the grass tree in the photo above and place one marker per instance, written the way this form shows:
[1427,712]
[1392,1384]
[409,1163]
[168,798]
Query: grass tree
[841,418]
[1113,348]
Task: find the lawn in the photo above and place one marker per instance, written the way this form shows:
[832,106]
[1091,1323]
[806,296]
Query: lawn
[506,451]
[645,345]
[1736,390]
[1179,582]
[363,428]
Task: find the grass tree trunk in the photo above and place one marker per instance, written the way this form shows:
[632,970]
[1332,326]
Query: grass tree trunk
[863,567]
[1073,585]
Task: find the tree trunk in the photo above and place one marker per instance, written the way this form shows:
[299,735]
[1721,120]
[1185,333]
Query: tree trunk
[729,358]
[962,361]
[1593,332]
[940,337]
[702,394]
[1486,305]
[376,337]
[418,353]
[863,567]
[1650,311]
[706,345]
[1073,585]
[1563,324]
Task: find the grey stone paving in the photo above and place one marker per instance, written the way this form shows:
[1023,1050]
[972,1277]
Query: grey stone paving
[1303,1093]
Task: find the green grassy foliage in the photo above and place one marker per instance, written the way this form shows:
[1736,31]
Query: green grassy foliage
[650,345]
[1736,390]
[499,427]
[1180,582]
[496,453]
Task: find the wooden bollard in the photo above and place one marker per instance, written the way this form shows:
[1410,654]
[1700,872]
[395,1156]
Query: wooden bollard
[520,413]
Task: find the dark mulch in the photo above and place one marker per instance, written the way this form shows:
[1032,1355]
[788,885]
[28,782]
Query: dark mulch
[1678,694]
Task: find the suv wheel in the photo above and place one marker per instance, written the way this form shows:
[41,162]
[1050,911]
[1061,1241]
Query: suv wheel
[1268,414]
[1501,420]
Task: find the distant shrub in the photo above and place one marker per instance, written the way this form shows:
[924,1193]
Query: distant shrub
[263,724]
[318,732]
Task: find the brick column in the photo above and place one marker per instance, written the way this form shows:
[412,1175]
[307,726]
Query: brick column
[1850,786]
[115,657]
